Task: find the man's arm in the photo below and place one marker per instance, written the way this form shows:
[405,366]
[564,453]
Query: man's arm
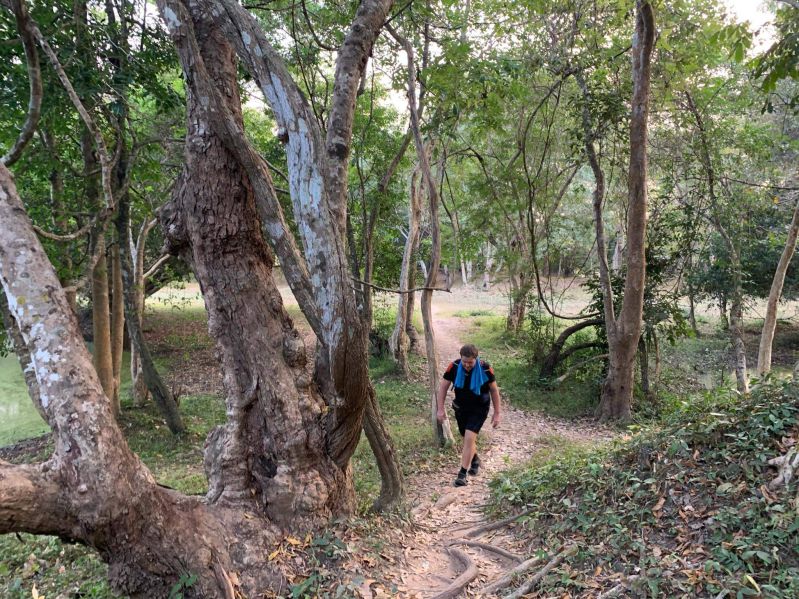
[443,387]
[494,390]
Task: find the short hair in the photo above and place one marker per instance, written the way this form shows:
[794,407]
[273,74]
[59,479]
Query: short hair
[469,351]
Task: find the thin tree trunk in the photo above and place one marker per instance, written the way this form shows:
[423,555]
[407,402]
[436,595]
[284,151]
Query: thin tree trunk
[117,319]
[643,359]
[140,391]
[101,325]
[770,321]
[410,329]
[398,342]
[691,296]
[736,304]
[736,336]
[133,296]
[442,431]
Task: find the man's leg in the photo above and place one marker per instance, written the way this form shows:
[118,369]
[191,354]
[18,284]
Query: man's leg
[469,449]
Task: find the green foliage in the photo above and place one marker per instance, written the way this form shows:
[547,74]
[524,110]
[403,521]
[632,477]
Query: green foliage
[518,378]
[681,504]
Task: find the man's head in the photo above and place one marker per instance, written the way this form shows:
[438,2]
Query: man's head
[469,355]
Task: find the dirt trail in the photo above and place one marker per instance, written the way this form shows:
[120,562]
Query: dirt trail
[443,512]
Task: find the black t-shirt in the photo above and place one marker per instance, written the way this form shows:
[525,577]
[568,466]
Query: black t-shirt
[465,396]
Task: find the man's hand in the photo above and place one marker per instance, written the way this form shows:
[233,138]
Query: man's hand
[440,415]
[495,420]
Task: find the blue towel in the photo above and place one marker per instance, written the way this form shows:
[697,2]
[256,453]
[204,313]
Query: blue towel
[479,377]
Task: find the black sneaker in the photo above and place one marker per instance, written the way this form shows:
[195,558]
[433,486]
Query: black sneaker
[461,481]
[475,467]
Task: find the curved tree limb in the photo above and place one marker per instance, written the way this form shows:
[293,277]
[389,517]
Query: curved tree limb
[31,501]
[486,547]
[469,574]
[34,78]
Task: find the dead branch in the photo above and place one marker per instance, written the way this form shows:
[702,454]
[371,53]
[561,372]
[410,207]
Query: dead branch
[530,584]
[157,265]
[579,365]
[476,532]
[400,290]
[486,547]
[787,465]
[616,591]
[509,576]
[469,574]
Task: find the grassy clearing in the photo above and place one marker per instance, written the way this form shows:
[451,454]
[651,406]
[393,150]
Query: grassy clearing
[518,377]
[683,506]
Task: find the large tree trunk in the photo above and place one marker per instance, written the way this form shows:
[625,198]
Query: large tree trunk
[93,489]
[282,458]
[770,321]
[623,334]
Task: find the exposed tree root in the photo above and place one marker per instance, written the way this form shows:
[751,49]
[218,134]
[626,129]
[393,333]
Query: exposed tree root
[486,547]
[617,590]
[468,575]
[476,532]
[787,464]
[509,576]
[530,584]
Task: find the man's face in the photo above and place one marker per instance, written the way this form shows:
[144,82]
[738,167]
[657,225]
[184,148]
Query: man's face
[468,363]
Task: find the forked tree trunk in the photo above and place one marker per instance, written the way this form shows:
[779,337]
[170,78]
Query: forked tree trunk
[282,459]
[398,342]
[442,431]
[770,320]
[623,334]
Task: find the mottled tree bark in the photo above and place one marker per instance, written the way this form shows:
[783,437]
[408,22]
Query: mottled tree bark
[282,458]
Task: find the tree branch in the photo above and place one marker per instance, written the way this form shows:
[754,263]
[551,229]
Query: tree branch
[400,291]
[34,79]
[31,501]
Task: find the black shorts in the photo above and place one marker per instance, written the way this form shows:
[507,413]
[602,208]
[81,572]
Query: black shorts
[471,416]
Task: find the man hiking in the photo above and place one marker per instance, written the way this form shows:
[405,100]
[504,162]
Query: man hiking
[475,389]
